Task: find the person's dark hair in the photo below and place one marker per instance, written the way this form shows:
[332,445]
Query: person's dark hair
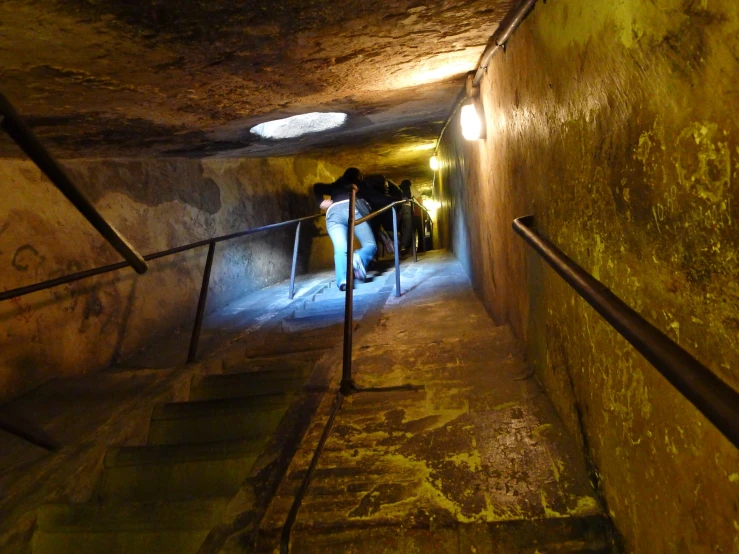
[376,182]
[405,186]
[352,176]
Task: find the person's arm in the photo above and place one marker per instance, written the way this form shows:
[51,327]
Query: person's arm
[319,191]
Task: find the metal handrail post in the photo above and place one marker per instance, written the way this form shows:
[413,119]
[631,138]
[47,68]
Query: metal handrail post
[347,384]
[295,261]
[201,305]
[397,255]
[413,234]
[21,133]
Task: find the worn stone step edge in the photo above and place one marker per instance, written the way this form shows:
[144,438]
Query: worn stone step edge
[276,362]
[314,344]
[125,456]
[595,528]
[247,388]
[224,379]
[205,408]
[133,516]
[179,481]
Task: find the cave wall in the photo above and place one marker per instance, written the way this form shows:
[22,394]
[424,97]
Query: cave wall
[615,125]
[156,204]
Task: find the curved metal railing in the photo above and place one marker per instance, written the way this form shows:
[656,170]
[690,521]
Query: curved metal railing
[12,123]
[39,438]
[704,389]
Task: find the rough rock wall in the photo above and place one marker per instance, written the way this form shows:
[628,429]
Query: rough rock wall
[156,204]
[615,124]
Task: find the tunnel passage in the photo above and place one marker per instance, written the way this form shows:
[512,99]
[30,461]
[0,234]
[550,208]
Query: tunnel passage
[612,125]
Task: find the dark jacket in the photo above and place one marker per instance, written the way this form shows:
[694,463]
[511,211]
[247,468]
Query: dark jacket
[394,191]
[339,191]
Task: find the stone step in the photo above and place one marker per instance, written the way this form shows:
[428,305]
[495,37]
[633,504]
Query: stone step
[317,321]
[361,290]
[217,420]
[177,472]
[336,304]
[125,528]
[305,335]
[332,312]
[119,542]
[561,535]
[241,363]
[247,384]
[284,343]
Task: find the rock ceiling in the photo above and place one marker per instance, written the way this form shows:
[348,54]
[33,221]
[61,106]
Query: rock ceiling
[133,78]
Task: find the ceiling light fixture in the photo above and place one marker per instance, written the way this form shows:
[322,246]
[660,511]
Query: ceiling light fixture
[434,163]
[299,125]
[472,115]
[471,124]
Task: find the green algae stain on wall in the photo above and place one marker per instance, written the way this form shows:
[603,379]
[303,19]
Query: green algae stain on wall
[630,20]
[704,163]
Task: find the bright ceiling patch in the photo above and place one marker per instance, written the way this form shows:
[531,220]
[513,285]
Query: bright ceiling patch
[299,125]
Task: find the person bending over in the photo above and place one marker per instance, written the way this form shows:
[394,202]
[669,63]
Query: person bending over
[337,223]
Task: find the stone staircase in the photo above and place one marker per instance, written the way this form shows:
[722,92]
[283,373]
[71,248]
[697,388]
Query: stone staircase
[477,461]
[165,496]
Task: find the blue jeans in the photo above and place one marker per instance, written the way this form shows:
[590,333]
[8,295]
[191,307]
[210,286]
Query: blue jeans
[337,225]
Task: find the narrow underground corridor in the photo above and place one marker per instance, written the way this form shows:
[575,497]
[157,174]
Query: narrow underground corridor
[477,457]
[561,358]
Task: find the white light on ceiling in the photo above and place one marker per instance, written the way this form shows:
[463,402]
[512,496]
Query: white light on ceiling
[434,163]
[299,125]
[471,124]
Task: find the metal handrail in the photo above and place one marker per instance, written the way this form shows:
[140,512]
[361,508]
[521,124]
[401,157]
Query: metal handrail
[378,212]
[13,124]
[414,201]
[21,291]
[39,438]
[497,41]
[704,389]
[347,386]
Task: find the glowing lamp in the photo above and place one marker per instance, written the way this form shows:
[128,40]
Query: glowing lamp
[434,163]
[432,206]
[471,123]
